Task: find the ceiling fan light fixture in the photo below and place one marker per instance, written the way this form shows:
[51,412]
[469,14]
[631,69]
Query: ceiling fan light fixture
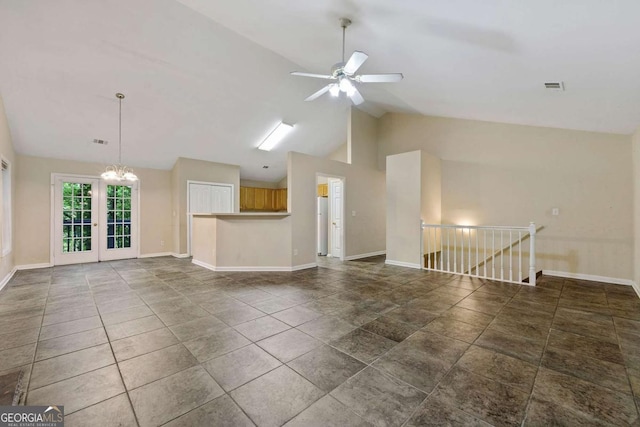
[345,84]
[276,135]
[345,74]
[119,172]
[351,91]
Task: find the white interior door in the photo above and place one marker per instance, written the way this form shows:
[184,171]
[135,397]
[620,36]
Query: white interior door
[76,232]
[93,220]
[337,199]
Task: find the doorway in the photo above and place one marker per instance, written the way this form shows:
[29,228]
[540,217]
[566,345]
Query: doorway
[93,220]
[330,216]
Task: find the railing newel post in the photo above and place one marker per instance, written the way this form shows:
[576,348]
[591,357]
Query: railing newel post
[532,254]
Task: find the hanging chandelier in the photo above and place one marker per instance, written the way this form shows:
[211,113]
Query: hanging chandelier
[119,172]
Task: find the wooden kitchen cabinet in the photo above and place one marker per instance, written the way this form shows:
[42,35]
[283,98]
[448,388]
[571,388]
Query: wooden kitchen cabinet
[280,199]
[263,199]
[261,203]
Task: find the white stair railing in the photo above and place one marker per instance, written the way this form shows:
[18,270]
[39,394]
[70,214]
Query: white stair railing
[488,252]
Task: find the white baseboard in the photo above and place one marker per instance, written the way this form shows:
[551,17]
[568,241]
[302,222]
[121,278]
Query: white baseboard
[359,256]
[8,277]
[590,277]
[303,266]
[156,255]
[403,264]
[204,265]
[250,268]
[180,255]
[33,266]
[636,287]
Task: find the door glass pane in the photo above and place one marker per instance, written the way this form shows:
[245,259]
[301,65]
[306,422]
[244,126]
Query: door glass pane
[118,219]
[76,217]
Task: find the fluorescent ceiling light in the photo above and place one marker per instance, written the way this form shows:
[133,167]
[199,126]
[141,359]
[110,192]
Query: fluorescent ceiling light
[275,136]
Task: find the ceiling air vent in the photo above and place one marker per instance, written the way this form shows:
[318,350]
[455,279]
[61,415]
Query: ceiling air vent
[100,141]
[554,85]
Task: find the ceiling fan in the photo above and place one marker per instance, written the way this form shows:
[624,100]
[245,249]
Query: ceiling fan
[344,74]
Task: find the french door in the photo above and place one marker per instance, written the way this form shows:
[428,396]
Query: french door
[94,220]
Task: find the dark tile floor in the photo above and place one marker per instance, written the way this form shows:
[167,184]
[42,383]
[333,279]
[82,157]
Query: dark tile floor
[162,341]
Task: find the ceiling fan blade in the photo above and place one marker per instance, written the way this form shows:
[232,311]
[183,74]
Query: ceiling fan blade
[319,93]
[355,62]
[315,76]
[356,98]
[380,78]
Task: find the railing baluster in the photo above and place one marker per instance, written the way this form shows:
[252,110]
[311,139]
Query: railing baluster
[510,257]
[532,254]
[501,255]
[448,249]
[462,250]
[486,260]
[455,250]
[428,249]
[441,257]
[520,256]
[493,254]
[469,255]
[477,253]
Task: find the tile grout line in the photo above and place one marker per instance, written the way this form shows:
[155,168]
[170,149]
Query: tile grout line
[626,370]
[544,349]
[436,386]
[33,360]
[124,385]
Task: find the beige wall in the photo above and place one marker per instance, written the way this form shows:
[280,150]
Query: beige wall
[7,153]
[636,206]
[403,208]
[259,184]
[340,154]
[33,202]
[198,170]
[364,193]
[283,182]
[430,188]
[228,242]
[500,174]
[362,139]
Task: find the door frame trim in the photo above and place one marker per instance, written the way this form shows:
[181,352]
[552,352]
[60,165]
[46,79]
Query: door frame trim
[343,234]
[52,219]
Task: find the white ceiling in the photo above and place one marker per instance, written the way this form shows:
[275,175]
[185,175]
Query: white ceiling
[209,78]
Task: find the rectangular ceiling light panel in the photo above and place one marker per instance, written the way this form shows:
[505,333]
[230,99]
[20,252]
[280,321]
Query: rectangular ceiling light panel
[275,136]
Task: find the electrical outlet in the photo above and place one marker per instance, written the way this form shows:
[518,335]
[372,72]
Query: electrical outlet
[555,211]
[353,213]
[161,242]
[295,252]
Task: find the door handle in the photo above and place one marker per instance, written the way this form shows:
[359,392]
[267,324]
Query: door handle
[333,223]
[95,224]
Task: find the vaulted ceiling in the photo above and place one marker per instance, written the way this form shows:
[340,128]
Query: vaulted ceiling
[208,79]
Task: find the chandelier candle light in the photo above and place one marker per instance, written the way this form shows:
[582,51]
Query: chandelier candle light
[119,172]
